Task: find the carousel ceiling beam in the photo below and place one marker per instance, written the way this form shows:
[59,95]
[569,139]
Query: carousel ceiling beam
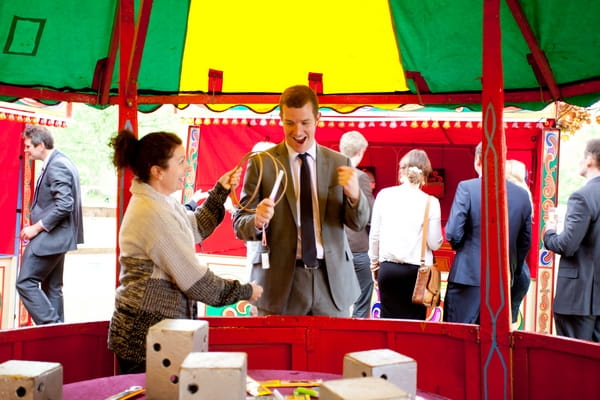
[109,66]
[273,98]
[139,41]
[580,88]
[539,58]
[46,94]
[511,97]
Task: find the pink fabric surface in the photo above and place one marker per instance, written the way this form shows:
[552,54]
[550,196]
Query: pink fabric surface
[101,388]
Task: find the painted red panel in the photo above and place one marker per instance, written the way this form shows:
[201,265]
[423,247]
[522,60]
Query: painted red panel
[10,151]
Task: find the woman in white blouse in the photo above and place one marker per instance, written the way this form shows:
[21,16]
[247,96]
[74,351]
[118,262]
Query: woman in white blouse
[396,234]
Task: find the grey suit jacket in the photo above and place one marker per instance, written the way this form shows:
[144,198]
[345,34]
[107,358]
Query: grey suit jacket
[282,232]
[57,202]
[578,282]
[463,230]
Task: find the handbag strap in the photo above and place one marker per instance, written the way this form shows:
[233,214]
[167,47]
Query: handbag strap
[425,227]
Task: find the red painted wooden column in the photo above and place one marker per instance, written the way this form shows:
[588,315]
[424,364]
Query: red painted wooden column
[127,104]
[496,365]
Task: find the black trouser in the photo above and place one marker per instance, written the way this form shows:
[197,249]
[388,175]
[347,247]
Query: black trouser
[396,286]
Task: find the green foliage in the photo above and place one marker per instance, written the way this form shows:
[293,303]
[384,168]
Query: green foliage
[86,139]
[571,153]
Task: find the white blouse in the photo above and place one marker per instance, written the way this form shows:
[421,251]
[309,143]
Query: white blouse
[397,225]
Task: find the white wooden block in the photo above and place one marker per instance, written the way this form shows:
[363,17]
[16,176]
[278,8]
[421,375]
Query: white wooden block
[369,388]
[383,363]
[30,380]
[167,344]
[213,375]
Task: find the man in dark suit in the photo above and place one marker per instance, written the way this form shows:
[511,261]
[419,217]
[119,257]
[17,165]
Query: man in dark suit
[56,228]
[576,306]
[353,145]
[292,284]
[463,231]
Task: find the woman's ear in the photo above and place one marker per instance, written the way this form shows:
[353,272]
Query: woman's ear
[156,172]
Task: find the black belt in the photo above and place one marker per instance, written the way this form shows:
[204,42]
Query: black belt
[320,264]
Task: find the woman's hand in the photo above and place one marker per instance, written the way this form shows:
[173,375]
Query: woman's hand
[231,179]
[257,291]
[375,271]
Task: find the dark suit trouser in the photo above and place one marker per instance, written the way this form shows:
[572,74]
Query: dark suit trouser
[585,327]
[519,289]
[461,303]
[310,295]
[40,284]
[362,268]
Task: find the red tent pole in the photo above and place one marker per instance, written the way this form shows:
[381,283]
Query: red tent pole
[496,365]
[127,103]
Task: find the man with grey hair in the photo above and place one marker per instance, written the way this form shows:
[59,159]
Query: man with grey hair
[56,227]
[353,145]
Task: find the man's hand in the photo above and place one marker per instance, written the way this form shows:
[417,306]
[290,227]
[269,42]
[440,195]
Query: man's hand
[551,219]
[348,178]
[264,212]
[31,231]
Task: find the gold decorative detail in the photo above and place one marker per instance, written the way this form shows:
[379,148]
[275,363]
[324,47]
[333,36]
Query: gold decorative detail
[571,118]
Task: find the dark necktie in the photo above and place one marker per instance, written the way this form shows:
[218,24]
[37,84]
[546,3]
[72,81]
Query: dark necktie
[309,249]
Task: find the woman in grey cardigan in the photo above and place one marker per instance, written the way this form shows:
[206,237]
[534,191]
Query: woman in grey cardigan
[160,274]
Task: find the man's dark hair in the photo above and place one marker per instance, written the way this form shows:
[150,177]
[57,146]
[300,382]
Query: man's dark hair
[39,134]
[297,96]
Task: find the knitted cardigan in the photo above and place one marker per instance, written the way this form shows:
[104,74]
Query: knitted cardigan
[160,274]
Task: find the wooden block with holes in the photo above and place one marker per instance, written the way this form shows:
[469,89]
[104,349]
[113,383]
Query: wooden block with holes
[383,363]
[213,375]
[167,344]
[30,380]
[369,388]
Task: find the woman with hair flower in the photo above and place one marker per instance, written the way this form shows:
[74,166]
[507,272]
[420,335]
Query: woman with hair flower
[396,235]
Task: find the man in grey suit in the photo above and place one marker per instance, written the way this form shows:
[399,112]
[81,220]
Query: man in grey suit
[576,306]
[463,231]
[292,286]
[56,228]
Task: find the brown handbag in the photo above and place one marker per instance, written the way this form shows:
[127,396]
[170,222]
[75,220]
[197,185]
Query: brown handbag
[428,283]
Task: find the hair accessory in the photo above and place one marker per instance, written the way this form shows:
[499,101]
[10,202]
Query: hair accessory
[416,170]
